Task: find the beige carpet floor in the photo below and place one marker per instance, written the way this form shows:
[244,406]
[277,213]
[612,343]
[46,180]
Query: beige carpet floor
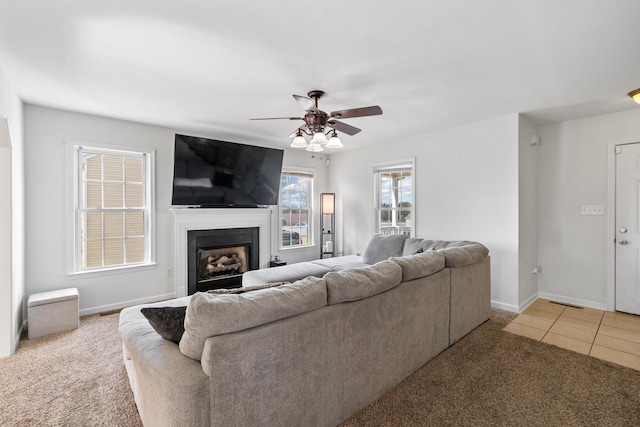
[489,378]
[74,378]
[494,378]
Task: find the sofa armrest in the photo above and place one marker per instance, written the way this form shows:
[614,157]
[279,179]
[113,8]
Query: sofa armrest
[163,380]
[470,297]
[464,254]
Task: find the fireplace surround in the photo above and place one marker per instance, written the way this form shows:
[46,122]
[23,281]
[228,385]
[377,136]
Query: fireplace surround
[200,219]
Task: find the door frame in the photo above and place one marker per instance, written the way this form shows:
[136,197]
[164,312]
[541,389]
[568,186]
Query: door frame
[611,220]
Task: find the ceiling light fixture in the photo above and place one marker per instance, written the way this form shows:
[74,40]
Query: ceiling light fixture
[299,141]
[319,138]
[334,141]
[315,147]
[635,95]
[319,124]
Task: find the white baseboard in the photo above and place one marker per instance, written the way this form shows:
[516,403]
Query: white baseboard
[501,306]
[123,304]
[528,302]
[573,301]
[16,341]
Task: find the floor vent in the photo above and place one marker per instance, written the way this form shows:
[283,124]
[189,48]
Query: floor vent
[566,305]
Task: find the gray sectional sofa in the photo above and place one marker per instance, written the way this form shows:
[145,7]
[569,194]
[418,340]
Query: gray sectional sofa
[311,351]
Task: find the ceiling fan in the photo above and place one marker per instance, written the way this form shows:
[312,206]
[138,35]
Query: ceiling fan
[316,121]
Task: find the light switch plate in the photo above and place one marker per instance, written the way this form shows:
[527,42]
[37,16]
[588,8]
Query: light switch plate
[592,210]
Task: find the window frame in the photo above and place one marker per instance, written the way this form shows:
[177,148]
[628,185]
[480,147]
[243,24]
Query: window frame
[406,164]
[75,176]
[292,170]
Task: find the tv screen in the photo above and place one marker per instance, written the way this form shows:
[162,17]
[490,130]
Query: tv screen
[212,173]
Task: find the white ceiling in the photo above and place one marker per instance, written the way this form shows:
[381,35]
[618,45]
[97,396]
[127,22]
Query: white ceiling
[206,67]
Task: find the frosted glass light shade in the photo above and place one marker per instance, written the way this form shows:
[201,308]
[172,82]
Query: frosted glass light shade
[319,138]
[635,95]
[299,142]
[334,142]
[315,147]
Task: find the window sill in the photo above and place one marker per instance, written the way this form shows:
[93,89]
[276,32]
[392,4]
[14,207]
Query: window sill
[109,271]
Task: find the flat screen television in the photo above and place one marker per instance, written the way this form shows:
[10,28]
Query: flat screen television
[212,173]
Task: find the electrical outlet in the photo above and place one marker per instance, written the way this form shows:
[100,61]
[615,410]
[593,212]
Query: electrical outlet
[168,272]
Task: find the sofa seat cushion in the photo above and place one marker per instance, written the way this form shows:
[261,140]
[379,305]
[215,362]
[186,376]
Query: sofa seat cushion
[209,315]
[359,283]
[285,273]
[384,246]
[243,289]
[341,263]
[420,265]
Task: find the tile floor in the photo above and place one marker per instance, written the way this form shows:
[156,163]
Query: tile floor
[610,336]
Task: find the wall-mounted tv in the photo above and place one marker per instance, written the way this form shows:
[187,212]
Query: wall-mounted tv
[212,173]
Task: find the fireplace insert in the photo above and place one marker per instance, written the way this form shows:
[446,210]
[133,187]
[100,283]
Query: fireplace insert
[217,258]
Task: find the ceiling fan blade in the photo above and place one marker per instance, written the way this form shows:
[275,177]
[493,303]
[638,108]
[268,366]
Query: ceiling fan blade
[278,118]
[306,103]
[343,127]
[374,110]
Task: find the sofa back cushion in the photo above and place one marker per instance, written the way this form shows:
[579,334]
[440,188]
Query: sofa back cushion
[420,265]
[383,246]
[359,283]
[209,314]
[456,253]
[415,245]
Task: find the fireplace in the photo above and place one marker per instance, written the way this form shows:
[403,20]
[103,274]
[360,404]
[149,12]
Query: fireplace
[207,219]
[217,257]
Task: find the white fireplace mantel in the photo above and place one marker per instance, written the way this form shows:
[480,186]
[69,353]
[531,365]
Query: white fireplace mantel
[187,219]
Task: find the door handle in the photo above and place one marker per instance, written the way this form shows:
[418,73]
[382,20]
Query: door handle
[623,242]
[623,230]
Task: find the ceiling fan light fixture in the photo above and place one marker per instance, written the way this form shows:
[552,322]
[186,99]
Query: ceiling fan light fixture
[319,138]
[299,141]
[635,95]
[314,147]
[317,121]
[334,141]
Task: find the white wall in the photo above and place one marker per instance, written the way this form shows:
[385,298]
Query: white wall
[6,281]
[47,207]
[528,213]
[572,248]
[480,181]
[318,163]
[12,287]
[466,189]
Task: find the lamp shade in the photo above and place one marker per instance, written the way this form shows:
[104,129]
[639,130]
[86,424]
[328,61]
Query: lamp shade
[328,203]
[635,95]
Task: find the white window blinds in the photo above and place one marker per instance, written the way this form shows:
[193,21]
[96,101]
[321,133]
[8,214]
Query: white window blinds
[112,208]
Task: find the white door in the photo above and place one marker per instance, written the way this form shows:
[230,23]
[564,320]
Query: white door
[628,228]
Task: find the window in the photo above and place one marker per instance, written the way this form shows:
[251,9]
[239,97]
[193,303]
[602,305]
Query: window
[394,200]
[113,208]
[296,197]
